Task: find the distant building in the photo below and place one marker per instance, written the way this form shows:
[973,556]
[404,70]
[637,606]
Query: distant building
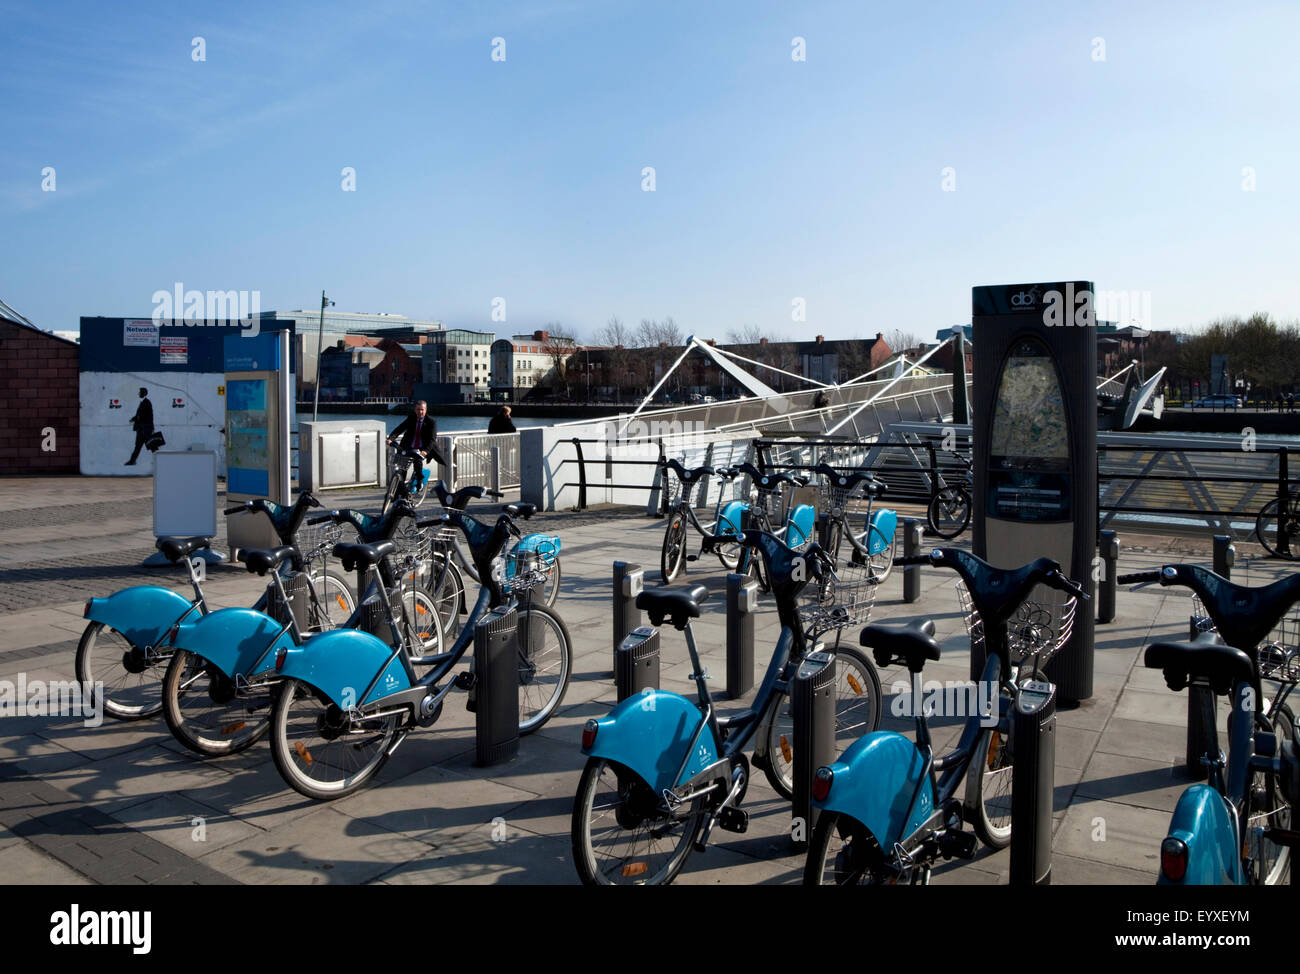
[38,398]
[459,356]
[521,363]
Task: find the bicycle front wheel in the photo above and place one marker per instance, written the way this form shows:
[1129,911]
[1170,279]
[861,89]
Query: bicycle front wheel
[206,713]
[132,678]
[621,836]
[1278,527]
[883,560]
[949,512]
[673,555]
[420,626]
[1267,807]
[857,712]
[333,605]
[321,751]
[545,663]
[988,789]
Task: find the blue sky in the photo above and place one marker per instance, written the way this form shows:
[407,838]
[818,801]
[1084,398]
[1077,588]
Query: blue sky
[775,179]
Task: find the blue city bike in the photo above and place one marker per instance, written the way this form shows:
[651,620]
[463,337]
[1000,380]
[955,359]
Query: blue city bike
[1238,829]
[845,492]
[890,807]
[663,770]
[348,700]
[220,685]
[126,643]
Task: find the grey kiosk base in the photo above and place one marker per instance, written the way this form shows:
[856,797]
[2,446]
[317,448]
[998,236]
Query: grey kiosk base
[494,699]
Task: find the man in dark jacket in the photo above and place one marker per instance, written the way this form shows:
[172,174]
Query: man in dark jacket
[142,422]
[501,422]
[417,432]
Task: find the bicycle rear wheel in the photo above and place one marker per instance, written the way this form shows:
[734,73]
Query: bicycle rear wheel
[132,678]
[204,711]
[1267,807]
[857,712]
[949,512]
[619,833]
[842,853]
[1279,533]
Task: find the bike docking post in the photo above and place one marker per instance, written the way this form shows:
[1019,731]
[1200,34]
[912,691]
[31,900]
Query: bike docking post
[812,703]
[496,687]
[629,582]
[742,603]
[912,535]
[1108,548]
[1033,738]
[1225,555]
[636,662]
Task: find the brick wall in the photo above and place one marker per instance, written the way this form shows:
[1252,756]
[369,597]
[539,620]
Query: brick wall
[39,390]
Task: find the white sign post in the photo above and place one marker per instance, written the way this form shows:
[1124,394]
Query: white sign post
[185,500]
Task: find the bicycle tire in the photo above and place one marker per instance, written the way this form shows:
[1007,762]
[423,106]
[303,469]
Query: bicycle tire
[204,711]
[323,767]
[857,712]
[420,626]
[545,665]
[551,588]
[672,556]
[102,657]
[1270,528]
[882,561]
[615,820]
[1267,806]
[988,789]
[854,861]
[949,512]
[446,586]
[333,596]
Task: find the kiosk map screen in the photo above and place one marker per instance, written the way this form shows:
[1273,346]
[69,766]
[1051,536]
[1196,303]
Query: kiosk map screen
[1028,445]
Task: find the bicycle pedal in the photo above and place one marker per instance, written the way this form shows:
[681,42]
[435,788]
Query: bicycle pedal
[465,680]
[692,557]
[734,820]
[956,844]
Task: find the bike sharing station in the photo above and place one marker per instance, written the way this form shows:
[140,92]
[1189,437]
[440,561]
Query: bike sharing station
[1035,473]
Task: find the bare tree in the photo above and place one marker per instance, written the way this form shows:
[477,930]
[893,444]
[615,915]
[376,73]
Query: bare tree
[652,334]
[900,340]
[614,333]
[559,346]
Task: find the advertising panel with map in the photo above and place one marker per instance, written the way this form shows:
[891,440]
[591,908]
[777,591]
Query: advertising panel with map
[1029,459]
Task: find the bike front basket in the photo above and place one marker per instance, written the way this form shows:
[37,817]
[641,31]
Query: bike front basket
[1039,627]
[833,603]
[1279,653]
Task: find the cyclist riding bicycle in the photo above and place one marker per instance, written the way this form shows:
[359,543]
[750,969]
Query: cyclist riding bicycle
[416,434]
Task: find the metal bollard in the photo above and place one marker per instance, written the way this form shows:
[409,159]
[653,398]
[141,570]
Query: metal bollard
[742,602]
[496,469]
[1108,549]
[1033,737]
[812,705]
[913,531]
[496,687]
[1225,555]
[629,582]
[636,663]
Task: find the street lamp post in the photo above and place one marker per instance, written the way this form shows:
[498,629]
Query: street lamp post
[320,341]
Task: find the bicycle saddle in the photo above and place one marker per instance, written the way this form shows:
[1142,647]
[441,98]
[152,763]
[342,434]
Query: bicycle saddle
[174,549]
[1205,657]
[910,642]
[263,560]
[687,476]
[356,556]
[681,603]
[521,510]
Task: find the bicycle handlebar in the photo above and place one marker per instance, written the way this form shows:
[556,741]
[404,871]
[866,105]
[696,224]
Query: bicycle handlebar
[235,510]
[321,518]
[1136,578]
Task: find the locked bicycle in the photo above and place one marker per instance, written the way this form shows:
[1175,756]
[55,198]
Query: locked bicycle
[1239,828]
[345,707]
[949,510]
[844,493]
[126,641]
[890,807]
[719,537]
[663,770]
[1277,526]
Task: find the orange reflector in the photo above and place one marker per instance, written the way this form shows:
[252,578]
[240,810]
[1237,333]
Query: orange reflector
[235,727]
[303,753]
[635,869]
[853,682]
[785,748]
[994,743]
[342,605]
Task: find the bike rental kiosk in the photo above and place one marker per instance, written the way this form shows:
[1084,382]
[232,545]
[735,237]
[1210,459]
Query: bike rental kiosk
[259,407]
[1035,446]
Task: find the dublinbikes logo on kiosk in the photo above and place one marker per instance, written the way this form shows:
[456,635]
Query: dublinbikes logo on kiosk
[1071,306]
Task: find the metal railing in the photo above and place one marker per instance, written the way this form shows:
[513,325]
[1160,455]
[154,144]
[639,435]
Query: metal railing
[487,459]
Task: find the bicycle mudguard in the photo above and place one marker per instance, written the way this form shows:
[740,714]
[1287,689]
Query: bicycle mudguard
[874,781]
[799,529]
[234,640]
[649,733]
[1203,823]
[342,663]
[886,523]
[731,519]
[143,613]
